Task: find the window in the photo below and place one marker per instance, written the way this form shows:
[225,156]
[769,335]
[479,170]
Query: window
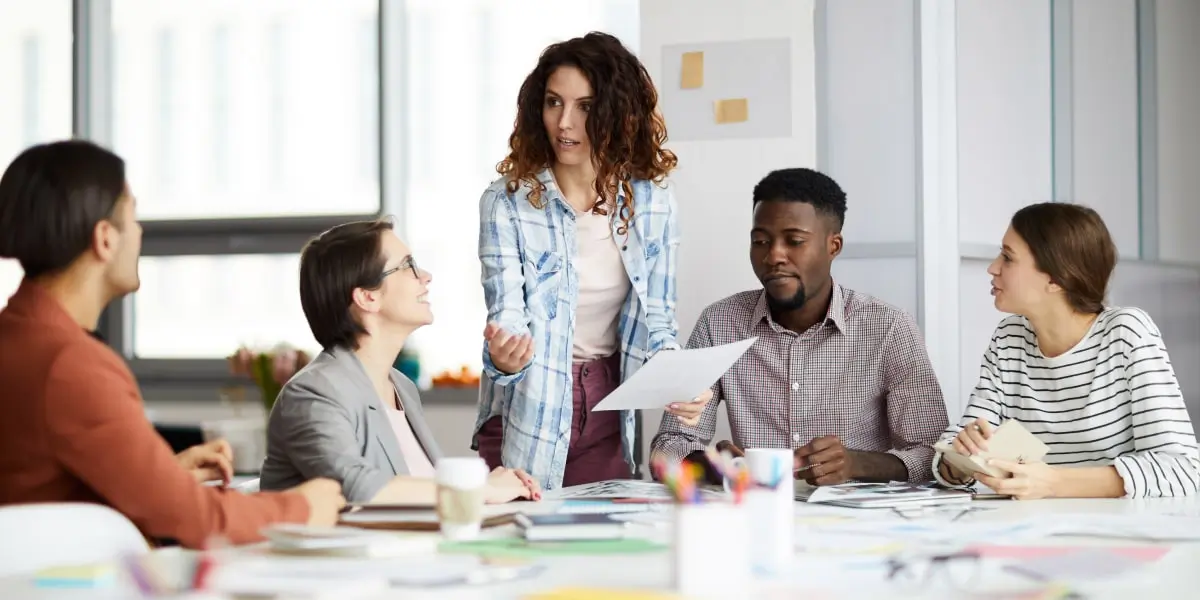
[205,306]
[465,64]
[35,63]
[239,121]
[235,121]
[243,109]
[10,278]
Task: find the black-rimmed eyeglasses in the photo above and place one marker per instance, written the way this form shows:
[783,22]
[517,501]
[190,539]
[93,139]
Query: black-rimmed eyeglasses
[408,263]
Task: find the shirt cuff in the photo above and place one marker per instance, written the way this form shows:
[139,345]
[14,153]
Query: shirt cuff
[1122,466]
[675,449]
[917,461]
[497,376]
[937,475]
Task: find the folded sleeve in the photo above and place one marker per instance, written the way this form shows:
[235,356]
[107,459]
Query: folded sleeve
[661,290]
[916,410]
[502,273]
[99,431]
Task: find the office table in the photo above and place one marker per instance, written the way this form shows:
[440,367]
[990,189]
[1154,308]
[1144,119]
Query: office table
[815,576]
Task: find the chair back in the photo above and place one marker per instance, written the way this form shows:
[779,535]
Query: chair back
[38,536]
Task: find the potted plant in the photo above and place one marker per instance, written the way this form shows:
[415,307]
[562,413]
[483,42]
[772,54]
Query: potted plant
[269,369]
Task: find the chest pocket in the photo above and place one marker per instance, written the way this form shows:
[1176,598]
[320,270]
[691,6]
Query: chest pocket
[543,283]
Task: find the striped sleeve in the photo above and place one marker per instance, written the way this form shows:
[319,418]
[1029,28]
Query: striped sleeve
[502,274]
[985,401]
[1165,461]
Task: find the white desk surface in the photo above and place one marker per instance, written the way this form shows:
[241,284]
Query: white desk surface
[815,576]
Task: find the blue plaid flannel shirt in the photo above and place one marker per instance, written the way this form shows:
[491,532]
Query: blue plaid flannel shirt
[531,285]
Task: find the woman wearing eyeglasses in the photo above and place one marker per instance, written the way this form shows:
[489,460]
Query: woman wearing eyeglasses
[348,415]
[578,244]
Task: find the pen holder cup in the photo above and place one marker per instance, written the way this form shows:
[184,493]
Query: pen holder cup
[710,550]
[771,517]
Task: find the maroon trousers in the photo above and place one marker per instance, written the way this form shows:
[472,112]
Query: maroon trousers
[595,452]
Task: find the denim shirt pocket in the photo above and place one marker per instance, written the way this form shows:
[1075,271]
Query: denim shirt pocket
[543,283]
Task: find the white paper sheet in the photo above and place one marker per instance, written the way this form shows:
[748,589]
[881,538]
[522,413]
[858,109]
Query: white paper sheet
[675,376]
[1140,527]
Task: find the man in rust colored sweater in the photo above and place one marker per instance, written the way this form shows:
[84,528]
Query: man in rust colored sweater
[74,428]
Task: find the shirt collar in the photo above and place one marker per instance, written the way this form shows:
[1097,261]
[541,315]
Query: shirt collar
[835,315]
[546,178]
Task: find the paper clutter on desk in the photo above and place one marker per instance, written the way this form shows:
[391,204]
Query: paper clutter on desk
[581,593]
[711,550]
[298,539]
[81,576]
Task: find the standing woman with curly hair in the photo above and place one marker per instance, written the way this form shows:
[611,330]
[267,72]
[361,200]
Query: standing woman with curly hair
[578,243]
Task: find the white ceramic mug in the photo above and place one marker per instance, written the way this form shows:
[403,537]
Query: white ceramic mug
[247,438]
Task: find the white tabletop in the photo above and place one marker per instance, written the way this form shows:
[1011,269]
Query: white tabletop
[816,574]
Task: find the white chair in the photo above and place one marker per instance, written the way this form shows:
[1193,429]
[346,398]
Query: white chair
[37,536]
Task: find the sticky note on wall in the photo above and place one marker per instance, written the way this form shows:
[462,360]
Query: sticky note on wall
[693,71]
[732,110]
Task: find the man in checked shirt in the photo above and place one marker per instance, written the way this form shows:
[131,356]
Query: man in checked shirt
[839,377]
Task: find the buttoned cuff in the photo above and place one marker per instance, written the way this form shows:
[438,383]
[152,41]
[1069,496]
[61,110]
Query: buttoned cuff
[937,475]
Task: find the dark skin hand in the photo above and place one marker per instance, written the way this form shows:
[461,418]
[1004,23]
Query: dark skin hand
[825,461]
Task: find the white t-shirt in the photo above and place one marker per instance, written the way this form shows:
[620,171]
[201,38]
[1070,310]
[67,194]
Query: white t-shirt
[603,286]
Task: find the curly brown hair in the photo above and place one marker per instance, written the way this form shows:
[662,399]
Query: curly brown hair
[626,131]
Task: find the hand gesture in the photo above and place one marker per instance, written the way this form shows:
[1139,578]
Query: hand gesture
[506,485]
[689,412]
[973,438]
[510,353]
[208,461]
[325,501]
[823,461]
[1029,481]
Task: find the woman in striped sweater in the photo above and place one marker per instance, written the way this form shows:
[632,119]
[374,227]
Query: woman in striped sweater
[1094,383]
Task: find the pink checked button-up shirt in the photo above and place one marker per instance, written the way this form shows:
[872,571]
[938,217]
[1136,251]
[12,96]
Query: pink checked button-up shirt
[862,375]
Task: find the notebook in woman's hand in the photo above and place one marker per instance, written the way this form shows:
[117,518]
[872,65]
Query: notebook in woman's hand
[1010,441]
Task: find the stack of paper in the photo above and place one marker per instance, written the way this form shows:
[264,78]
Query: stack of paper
[302,539]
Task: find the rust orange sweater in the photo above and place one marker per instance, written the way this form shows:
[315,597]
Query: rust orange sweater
[73,429]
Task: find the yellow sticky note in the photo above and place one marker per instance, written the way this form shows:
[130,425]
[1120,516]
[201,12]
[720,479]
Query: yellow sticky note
[693,71]
[732,110]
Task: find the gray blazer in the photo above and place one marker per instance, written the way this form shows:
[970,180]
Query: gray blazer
[329,422]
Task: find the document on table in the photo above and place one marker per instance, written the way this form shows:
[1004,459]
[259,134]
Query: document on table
[675,376]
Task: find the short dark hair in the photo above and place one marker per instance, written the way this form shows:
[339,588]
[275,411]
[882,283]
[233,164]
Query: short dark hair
[1072,245]
[332,266]
[804,185]
[51,198]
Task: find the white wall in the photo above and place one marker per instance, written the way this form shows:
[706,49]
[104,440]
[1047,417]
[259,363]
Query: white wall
[1178,103]
[1004,145]
[715,178]
[1006,112]
[1103,82]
